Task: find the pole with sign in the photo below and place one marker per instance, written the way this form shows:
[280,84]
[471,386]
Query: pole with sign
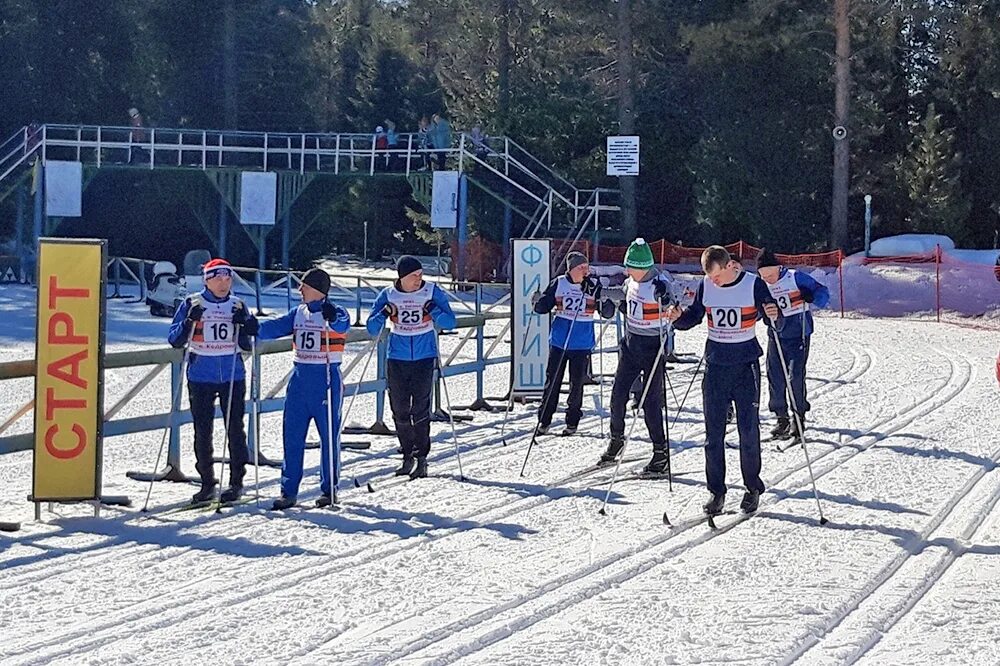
[529,331]
[69,375]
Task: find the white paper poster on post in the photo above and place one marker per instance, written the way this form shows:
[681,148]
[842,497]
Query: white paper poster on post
[63,189]
[258,197]
[444,200]
[623,156]
[530,331]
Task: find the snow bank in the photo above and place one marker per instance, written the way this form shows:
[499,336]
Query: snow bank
[906,244]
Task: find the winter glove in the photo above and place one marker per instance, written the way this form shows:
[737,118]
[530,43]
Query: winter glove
[195,309]
[661,290]
[390,310]
[807,296]
[535,297]
[590,286]
[607,309]
[240,314]
[251,327]
[429,307]
[329,311]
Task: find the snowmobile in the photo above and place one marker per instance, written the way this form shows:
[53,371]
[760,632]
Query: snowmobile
[166,290]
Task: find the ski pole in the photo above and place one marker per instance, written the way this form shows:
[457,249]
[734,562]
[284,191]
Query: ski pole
[694,376]
[226,418]
[174,400]
[510,395]
[451,418]
[798,421]
[628,436]
[372,346]
[331,465]
[663,392]
[547,394]
[600,354]
[255,415]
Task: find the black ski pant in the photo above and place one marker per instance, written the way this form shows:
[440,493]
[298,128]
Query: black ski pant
[577,360]
[410,385]
[638,352]
[796,351]
[202,396]
[740,385]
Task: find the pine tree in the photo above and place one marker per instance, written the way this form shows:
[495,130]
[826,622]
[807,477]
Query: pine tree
[932,173]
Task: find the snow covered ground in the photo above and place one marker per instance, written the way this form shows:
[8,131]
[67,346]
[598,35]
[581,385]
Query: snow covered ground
[523,570]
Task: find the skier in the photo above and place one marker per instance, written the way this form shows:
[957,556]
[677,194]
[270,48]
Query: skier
[571,340]
[414,307]
[643,299]
[734,302]
[794,292]
[210,320]
[319,333]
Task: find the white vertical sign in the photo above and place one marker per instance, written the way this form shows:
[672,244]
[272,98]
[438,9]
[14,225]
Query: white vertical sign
[258,197]
[623,156]
[63,189]
[444,200]
[530,331]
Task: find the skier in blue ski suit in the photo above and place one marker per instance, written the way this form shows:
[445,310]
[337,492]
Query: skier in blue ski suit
[414,308]
[319,333]
[795,292]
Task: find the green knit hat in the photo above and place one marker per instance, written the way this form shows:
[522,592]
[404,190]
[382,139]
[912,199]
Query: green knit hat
[639,255]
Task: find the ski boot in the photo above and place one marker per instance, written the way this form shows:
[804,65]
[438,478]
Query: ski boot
[282,503]
[782,429]
[569,430]
[407,466]
[714,506]
[420,472]
[541,429]
[206,494]
[615,447]
[751,500]
[324,500]
[231,494]
[796,433]
[659,465]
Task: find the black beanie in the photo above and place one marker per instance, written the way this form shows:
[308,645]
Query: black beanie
[767,259]
[574,259]
[407,265]
[318,279]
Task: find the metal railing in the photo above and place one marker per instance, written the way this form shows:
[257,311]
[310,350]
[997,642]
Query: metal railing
[156,147]
[160,359]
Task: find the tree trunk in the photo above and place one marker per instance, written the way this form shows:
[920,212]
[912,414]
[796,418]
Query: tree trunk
[841,145]
[504,57]
[229,83]
[626,112]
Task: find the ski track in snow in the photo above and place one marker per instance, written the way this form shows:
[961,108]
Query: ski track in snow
[198,585]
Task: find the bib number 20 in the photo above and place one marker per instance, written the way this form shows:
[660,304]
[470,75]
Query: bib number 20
[726,317]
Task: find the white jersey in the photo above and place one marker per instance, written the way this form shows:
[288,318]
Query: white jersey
[732,311]
[571,302]
[642,309]
[410,318]
[787,293]
[215,333]
[313,340]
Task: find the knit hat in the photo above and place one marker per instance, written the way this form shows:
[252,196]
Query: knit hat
[133,112]
[767,259]
[318,279]
[407,264]
[216,267]
[639,255]
[574,259]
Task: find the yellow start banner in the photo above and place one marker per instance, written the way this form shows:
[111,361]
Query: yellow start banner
[69,375]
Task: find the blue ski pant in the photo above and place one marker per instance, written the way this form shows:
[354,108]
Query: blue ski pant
[796,351]
[305,402]
[740,385]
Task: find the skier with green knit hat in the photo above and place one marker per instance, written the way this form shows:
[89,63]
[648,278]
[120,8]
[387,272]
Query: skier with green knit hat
[643,299]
